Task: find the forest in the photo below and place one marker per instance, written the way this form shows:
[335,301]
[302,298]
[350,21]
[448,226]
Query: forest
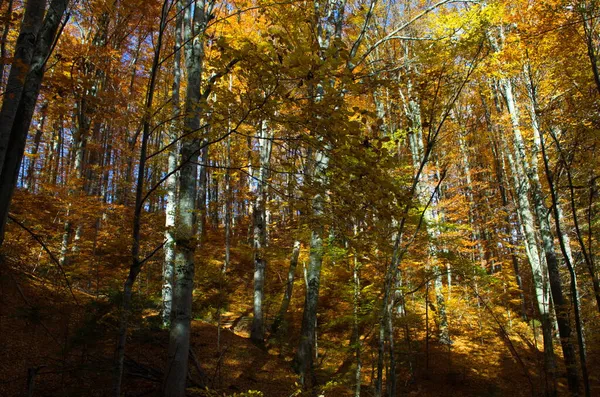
[263,198]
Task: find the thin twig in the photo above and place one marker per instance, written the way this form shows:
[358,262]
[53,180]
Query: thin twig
[39,240]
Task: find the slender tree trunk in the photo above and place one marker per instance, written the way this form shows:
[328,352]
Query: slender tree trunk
[574,289]
[501,180]
[228,207]
[586,251]
[328,20]
[202,194]
[391,391]
[3,40]
[30,178]
[303,360]
[537,269]
[381,350]
[423,196]
[52,159]
[531,169]
[260,233]
[355,325]
[136,263]
[588,18]
[521,187]
[171,182]
[289,288]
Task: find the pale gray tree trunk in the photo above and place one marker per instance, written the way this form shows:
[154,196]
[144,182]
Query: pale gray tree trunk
[561,304]
[213,196]
[194,25]
[78,148]
[355,323]
[423,195]
[574,288]
[171,182]
[52,158]
[305,354]
[228,190]
[528,167]
[537,262]
[202,193]
[501,180]
[260,232]
[26,107]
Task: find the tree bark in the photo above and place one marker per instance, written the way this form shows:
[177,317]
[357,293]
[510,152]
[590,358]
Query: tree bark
[26,106]
[303,360]
[3,40]
[423,195]
[566,251]
[194,25]
[355,324]
[30,176]
[521,188]
[171,182]
[19,71]
[260,233]
[289,288]
[136,263]
[531,168]
[329,19]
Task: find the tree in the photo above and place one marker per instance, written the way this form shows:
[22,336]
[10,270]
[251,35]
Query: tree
[196,16]
[26,102]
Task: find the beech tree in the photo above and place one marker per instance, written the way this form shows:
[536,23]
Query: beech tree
[366,193]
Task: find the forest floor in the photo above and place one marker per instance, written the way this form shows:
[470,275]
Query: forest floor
[38,320]
[57,343]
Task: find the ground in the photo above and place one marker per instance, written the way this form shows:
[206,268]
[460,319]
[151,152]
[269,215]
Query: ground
[57,343]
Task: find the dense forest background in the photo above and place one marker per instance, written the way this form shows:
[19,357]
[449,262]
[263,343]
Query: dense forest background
[299,197]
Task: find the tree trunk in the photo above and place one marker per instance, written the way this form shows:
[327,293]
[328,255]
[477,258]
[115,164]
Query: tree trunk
[303,360]
[194,25]
[423,195]
[329,19]
[588,18]
[171,182]
[531,169]
[574,289]
[3,40]
[30,177]
[202,194]
[355,325]
[228,207]
[136,263]
[560,302]
[260,233]
[24,52]
[537,268]
[289,288]
[537,262]
[26,107]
